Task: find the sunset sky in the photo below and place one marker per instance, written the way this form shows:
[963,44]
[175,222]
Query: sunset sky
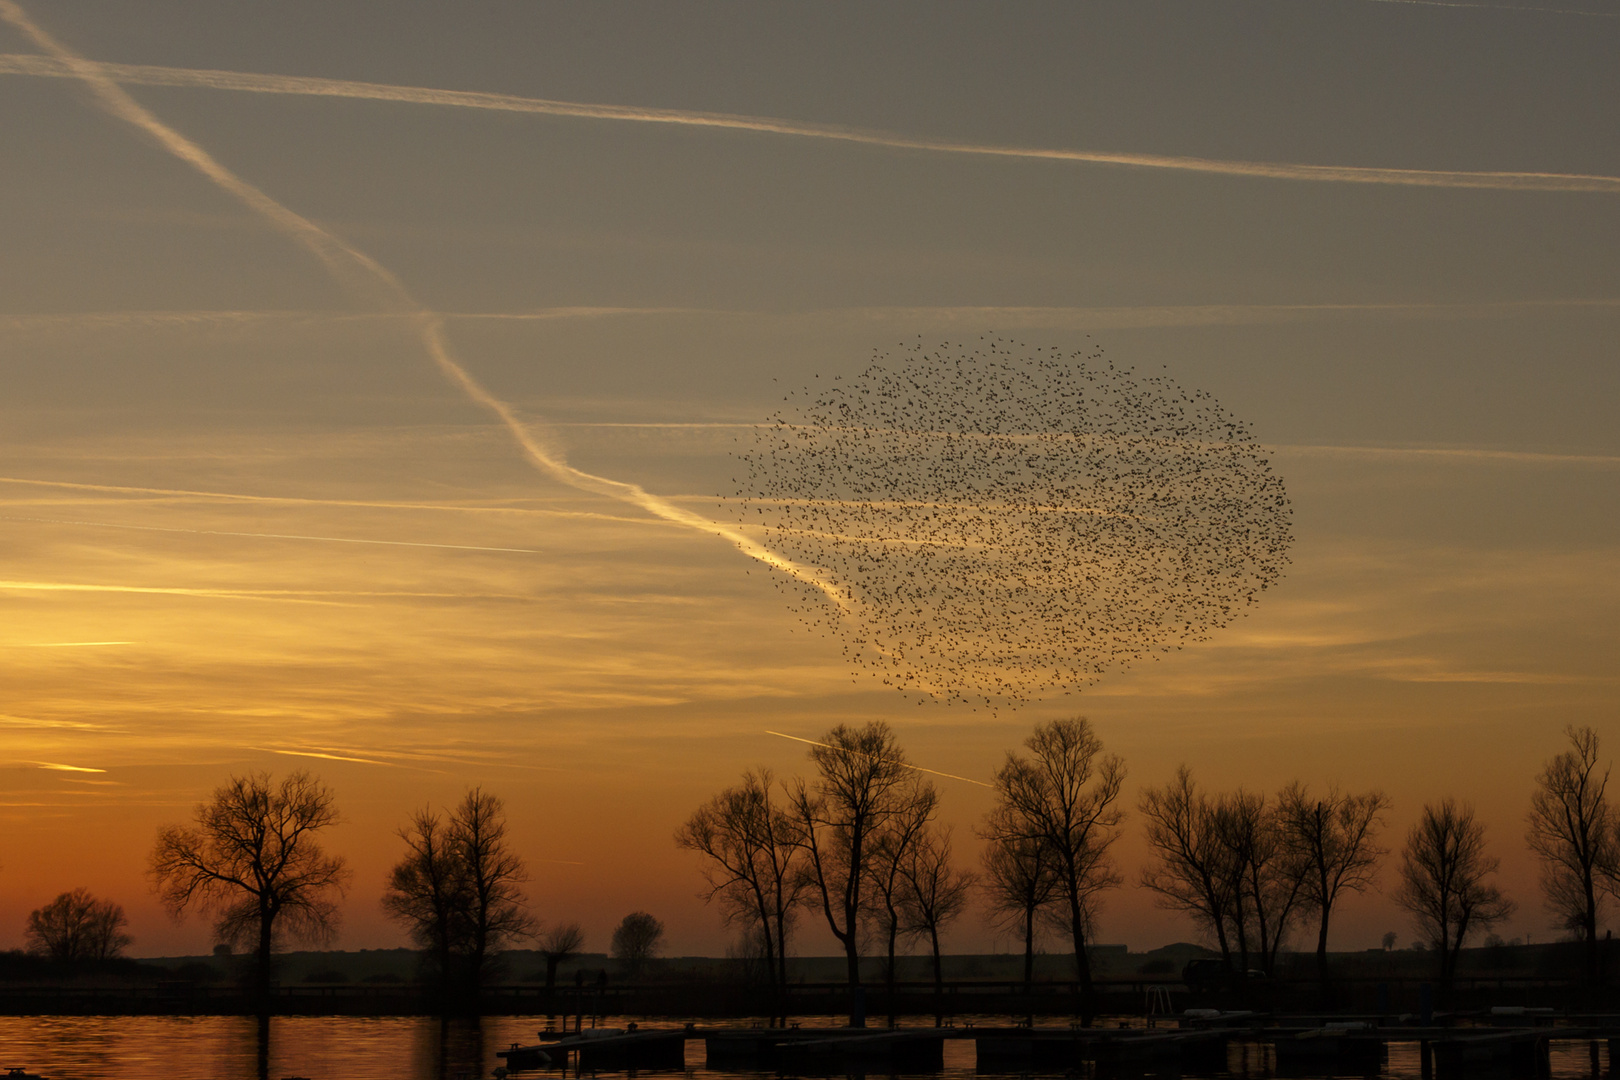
[250,520]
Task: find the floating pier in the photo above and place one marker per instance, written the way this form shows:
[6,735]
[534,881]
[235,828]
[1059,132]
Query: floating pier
[604,1050]
[1201,1044]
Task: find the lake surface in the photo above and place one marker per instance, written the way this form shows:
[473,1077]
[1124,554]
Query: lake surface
[418,1048]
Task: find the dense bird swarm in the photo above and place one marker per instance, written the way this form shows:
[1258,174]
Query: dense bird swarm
[999,523]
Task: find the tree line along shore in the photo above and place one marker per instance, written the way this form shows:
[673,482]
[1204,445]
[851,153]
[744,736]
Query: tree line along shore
[856,845]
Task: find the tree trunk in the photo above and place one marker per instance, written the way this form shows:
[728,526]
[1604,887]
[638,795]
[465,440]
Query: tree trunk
[939,971]
[1321,953]
[1029,950]
[1082,962]
[781,964]
[261,962]
[894,932]
[852,961]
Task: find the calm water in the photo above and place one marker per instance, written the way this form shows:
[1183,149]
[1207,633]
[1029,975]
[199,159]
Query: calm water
[415,1048]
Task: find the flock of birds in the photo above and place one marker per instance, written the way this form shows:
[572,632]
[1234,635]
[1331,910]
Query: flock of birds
[1004,522]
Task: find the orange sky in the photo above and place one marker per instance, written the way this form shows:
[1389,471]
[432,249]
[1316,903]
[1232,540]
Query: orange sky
[246,523]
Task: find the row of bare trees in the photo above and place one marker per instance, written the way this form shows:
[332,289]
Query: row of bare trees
[860,844]
[252,857]
[1247,868]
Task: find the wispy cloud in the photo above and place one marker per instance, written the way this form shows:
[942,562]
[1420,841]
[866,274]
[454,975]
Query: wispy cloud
[273,536]
[295,500]
[62,65]
[285,595]
[1523,9]
[56,766]
[37,722]
[322,755]
[1458,454]
[353,267]
[975,316]
[60,644]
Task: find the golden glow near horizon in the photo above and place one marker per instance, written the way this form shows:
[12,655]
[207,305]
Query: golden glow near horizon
[247,521]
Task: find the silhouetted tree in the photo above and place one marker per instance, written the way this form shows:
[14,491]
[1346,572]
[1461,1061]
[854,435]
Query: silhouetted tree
[1191,868]
[77,926]
[495,915]
[637,940]
[1572,829]
[754,858]
[892,846]
[1335,839]
[427,892]
[1063,796]
[1019,884]
[1443,872]
[934,893]
[253,859]
[863,782]
[458,890]
[558,945]
[1266,877]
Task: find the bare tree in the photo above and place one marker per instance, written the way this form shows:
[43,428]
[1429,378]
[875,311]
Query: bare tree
[893,845]
[862,783]
[1266,879]
[253,859]
[76,926]
[934,892]
[427,891]
[1335,839]
[754,856]
[458,890]
[637,940]
[1019,884]
[1443,881]
[560,944]
[1573,831]
[1063,796]
[1191,868]
[495,914]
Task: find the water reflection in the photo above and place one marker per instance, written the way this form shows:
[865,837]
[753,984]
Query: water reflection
[420,1048]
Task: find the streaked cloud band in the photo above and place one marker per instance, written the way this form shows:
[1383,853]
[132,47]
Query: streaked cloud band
[307,86]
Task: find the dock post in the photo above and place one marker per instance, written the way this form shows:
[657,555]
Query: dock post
[1596,1056]
[1425,1059]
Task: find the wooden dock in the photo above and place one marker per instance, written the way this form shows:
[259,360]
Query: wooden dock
[1198,1045]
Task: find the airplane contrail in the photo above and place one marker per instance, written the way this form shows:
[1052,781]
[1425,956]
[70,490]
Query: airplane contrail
[1134,317]
[902,764]
[62,65]
[360,271]
[283,595]
[1457,453]
[61,644]
[298,500]
[330,597]
[269,536]
[1504,7]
